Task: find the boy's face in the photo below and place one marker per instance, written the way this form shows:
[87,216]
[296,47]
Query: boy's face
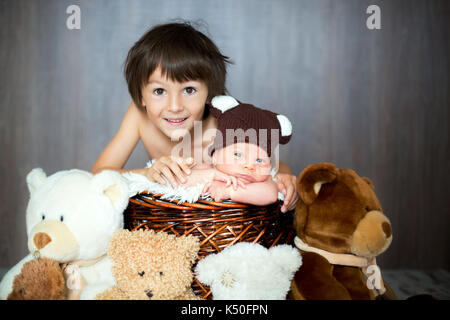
[243,160]
[172,106]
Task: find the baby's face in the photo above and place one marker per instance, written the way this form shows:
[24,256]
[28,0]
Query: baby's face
[243,160]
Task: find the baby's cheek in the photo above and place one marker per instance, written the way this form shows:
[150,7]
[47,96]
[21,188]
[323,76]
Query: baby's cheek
[263,170]
[262,178]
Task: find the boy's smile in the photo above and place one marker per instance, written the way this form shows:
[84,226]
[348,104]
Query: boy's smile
[175,121]
[172,105]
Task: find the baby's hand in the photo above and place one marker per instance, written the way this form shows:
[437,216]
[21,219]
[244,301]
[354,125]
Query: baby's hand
[218,190]
[228,179]
[172,168]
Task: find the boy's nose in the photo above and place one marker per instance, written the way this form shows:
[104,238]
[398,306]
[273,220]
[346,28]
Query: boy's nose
[175,104]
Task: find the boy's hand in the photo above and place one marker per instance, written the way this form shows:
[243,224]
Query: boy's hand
[218,190]
[287,185]
[172,168]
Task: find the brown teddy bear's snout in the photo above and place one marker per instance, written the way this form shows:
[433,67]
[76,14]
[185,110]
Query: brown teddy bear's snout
[372,236]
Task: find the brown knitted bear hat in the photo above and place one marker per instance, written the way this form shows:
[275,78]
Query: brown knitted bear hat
[241,122]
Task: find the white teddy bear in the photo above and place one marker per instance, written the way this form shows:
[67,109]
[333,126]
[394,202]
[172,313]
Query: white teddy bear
[248,271]
[71,216]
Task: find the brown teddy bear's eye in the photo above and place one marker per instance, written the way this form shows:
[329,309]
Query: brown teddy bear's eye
[142,273]
[161,273]
[367,209]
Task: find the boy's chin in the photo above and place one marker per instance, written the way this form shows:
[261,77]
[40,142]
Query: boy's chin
[175,133]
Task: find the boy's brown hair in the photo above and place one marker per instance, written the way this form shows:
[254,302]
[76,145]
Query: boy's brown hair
[182,53]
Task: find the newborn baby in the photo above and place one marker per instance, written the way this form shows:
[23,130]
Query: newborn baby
[241,153]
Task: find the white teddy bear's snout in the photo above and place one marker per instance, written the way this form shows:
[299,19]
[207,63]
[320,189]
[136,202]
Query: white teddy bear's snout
[54,240]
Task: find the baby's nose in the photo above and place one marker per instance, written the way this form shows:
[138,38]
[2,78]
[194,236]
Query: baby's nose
[250,166]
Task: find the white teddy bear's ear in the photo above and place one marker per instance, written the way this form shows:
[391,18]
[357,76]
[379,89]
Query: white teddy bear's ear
[112,185]
[35,179]
[224,103]
[287,257]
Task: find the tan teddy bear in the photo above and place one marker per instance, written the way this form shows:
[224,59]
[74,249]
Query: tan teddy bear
[40,279]
[151,265]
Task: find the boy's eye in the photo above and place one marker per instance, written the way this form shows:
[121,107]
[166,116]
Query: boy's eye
[259,160]
[190,90]
[238,154]
[159,91]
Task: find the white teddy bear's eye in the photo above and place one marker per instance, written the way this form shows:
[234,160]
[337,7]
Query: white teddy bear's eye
[61,218]
[43,216]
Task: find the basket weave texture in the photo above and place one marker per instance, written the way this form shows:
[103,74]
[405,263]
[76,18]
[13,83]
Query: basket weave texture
[217,225]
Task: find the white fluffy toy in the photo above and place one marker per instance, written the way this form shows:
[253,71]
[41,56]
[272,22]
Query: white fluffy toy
[248,271]
[71,216]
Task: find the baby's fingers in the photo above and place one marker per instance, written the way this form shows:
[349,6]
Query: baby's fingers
[206,187]
[227,181]
[234,182]
[241,183]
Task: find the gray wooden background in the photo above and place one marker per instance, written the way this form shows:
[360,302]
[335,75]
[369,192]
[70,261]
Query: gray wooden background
[376,101]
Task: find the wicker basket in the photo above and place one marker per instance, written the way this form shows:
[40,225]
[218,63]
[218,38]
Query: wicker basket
[218,225]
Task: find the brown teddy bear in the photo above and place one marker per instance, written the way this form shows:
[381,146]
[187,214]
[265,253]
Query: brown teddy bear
[151,265]
[40,279]
[340,229]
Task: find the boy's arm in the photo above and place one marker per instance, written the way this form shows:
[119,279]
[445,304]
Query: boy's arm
[284,168]
[119,149]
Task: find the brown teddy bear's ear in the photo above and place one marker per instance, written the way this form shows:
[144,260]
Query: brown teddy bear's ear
[190,245]
[117,243]
[369,182]
[312,178]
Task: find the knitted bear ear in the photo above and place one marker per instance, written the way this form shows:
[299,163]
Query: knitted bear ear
[223,103]
[286,128]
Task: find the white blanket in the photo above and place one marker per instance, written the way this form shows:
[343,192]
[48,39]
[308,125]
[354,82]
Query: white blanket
[138,183]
